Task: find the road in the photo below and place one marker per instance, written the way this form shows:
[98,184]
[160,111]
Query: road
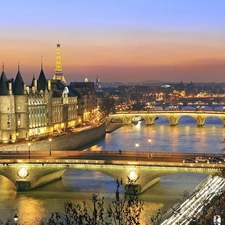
[196,204]
[101,155]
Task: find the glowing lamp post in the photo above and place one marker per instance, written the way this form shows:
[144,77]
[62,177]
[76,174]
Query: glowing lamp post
[149,142]
[137,145]
[15,218]
[17,140]
[50,146]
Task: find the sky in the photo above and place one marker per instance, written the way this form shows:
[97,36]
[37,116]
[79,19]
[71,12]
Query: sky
[115,40]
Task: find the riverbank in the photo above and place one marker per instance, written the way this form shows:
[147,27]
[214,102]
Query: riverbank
[113,126]
[68,141]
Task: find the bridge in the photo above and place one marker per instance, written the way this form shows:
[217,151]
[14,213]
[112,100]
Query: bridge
[173,116]
[142,169]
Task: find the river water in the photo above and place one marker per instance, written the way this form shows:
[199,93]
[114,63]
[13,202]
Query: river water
[78,185]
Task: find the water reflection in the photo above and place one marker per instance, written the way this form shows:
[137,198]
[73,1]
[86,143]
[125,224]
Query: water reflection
[79,185]
[182,138]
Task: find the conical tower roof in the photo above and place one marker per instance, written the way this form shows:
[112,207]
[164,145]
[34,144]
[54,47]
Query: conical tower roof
[42,83]
[32,83]
[3,83]
[18,84]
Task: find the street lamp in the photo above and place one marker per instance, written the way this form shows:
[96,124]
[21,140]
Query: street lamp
[50,149]
[29,149]
[17,140]
[149,142]
[137,145]
[15,218]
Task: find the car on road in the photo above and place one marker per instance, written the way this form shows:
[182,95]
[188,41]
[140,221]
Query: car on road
[189,160]
[219,158]
[216,159]
[201,159]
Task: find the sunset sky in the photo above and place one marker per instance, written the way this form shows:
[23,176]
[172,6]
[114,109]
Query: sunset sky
[115,40]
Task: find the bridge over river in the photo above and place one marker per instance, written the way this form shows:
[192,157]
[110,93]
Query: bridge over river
[173,116]
[28,171]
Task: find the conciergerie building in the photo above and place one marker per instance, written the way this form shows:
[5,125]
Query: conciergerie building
[44,107]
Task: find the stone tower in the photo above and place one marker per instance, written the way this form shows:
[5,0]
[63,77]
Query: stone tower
[21,107]
[58,67]
[7,109]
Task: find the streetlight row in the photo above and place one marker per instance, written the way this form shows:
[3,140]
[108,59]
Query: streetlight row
[50,147]
[137,145]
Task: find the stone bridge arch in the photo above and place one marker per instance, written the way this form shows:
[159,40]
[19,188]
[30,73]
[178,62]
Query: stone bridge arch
[37,174]
[150,119]
[150,179]
[190,116]
[146,176]
[115,119]
[218,118]
[201,118]
[172,119]
[172,116]
[9,173]
[141,176]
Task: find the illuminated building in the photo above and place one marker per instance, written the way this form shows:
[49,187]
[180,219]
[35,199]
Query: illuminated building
[33,111]
[44,107]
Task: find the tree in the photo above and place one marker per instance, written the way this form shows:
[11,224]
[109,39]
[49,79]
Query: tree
[124,210]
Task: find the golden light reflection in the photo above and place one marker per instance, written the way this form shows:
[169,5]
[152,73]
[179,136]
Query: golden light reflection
[34,213]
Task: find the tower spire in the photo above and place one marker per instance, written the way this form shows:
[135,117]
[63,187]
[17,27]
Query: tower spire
[58,68]
[41,62]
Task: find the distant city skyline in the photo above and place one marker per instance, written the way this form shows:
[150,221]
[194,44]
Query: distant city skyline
[117,41]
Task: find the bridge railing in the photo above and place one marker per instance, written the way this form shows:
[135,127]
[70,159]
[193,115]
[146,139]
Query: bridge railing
[110,152]
[195,111]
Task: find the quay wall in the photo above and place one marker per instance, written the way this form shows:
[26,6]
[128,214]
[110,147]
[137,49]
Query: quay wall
[64,142]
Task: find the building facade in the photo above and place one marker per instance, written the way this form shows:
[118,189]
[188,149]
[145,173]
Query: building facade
[87,100]
[37,110]
[44,107]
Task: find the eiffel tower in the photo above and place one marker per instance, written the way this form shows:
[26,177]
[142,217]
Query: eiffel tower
[58,67]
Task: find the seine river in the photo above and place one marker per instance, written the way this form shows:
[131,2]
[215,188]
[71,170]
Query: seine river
[78,185]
